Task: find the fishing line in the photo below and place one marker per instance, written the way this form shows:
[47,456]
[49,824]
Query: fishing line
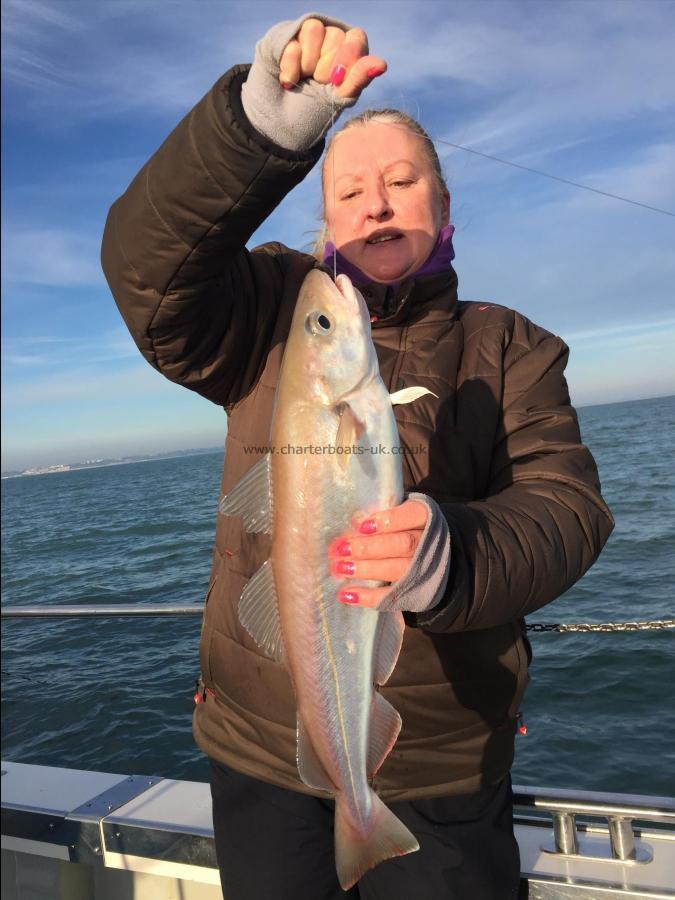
[504,162]
[584,187]
[332,229]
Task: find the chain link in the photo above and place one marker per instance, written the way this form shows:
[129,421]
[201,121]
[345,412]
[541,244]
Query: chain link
[658,625]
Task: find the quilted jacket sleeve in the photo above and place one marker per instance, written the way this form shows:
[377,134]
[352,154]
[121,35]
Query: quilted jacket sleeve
[543,522]
[199,306]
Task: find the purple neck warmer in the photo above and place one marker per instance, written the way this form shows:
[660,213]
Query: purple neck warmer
[438,261]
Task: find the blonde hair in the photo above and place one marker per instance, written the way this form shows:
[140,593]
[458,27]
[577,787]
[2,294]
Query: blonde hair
[386,117]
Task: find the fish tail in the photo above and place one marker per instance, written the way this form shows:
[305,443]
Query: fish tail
[355,854]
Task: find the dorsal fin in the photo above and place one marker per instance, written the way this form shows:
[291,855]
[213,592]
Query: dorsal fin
[251,498]
[259,612]
[310,767]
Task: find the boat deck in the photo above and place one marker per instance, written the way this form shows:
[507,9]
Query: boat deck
[69,834]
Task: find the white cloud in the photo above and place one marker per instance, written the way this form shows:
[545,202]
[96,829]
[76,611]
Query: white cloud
[50,256]
[527,83]
[87,383]
[29,26]
[649,178]
[584,90]
[53,352]
[117,57]
[621,332]
[528,68]
[24,19]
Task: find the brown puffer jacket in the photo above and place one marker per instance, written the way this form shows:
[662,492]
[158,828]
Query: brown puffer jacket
[498,448]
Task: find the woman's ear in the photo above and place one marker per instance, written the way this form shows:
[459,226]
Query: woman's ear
[445,208]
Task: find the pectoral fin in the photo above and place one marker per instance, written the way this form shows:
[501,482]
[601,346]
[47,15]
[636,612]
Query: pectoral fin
[407,395]
[350,427]
[251,498]
[350,430]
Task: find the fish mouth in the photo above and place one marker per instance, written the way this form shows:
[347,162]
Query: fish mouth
[347,290]
[341,284]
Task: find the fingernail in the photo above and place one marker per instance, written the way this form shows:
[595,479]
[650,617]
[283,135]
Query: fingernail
[368,526]
[344,548]
[348,597]
[286,85]
[375,72]
[345,566]
[337,76]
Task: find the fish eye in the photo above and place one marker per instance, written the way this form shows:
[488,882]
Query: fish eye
[318,323]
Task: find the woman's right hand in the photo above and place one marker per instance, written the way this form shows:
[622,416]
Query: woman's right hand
[330,55]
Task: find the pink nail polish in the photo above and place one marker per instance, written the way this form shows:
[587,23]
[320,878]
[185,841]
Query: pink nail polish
[368,526]
[375,72]
[345,567]
[348,597]
[344,548]
[286,85]
[337,76]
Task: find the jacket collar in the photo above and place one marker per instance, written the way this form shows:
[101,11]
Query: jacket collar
[395,305]
[392,303]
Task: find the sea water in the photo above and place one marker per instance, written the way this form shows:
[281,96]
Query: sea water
[116,694]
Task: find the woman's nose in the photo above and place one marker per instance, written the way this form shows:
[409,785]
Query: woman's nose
[377,205]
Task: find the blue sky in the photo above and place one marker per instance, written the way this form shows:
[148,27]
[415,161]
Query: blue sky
[583,90]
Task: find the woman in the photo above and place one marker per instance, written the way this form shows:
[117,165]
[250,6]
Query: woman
[510,513]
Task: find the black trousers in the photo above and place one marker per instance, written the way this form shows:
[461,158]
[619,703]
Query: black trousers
[274,844]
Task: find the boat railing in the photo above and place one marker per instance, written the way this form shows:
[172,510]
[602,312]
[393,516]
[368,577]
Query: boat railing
[574,845]
[101,610]
[618,812]
[159,827]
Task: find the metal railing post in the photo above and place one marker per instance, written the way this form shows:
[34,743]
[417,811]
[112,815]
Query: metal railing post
[565,832]
[621,837]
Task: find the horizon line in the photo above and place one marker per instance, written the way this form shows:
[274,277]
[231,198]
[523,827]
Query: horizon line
[129,458]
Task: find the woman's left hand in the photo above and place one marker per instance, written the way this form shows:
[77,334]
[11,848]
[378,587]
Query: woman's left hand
[380,548]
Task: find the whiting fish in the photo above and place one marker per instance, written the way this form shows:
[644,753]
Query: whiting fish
[333,452]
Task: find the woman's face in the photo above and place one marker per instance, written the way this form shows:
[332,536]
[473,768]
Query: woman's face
[383,206]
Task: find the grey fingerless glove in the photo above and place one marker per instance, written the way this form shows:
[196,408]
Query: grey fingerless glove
[294,119]
[423,586]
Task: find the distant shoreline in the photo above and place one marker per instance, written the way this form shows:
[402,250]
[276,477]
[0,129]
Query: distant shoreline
[176,454]
[60,468]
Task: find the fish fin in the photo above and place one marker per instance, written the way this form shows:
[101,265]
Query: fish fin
[350,428]
[251,498]
[385,725]
[407,395]
[310,767]
[259,613]
[356,853]
[389,638]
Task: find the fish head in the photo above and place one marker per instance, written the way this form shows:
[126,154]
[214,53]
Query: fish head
[329,350]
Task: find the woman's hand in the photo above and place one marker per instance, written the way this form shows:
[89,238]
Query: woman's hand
[330,55]
[380,548]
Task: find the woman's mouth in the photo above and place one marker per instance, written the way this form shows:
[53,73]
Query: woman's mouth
[383,237]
